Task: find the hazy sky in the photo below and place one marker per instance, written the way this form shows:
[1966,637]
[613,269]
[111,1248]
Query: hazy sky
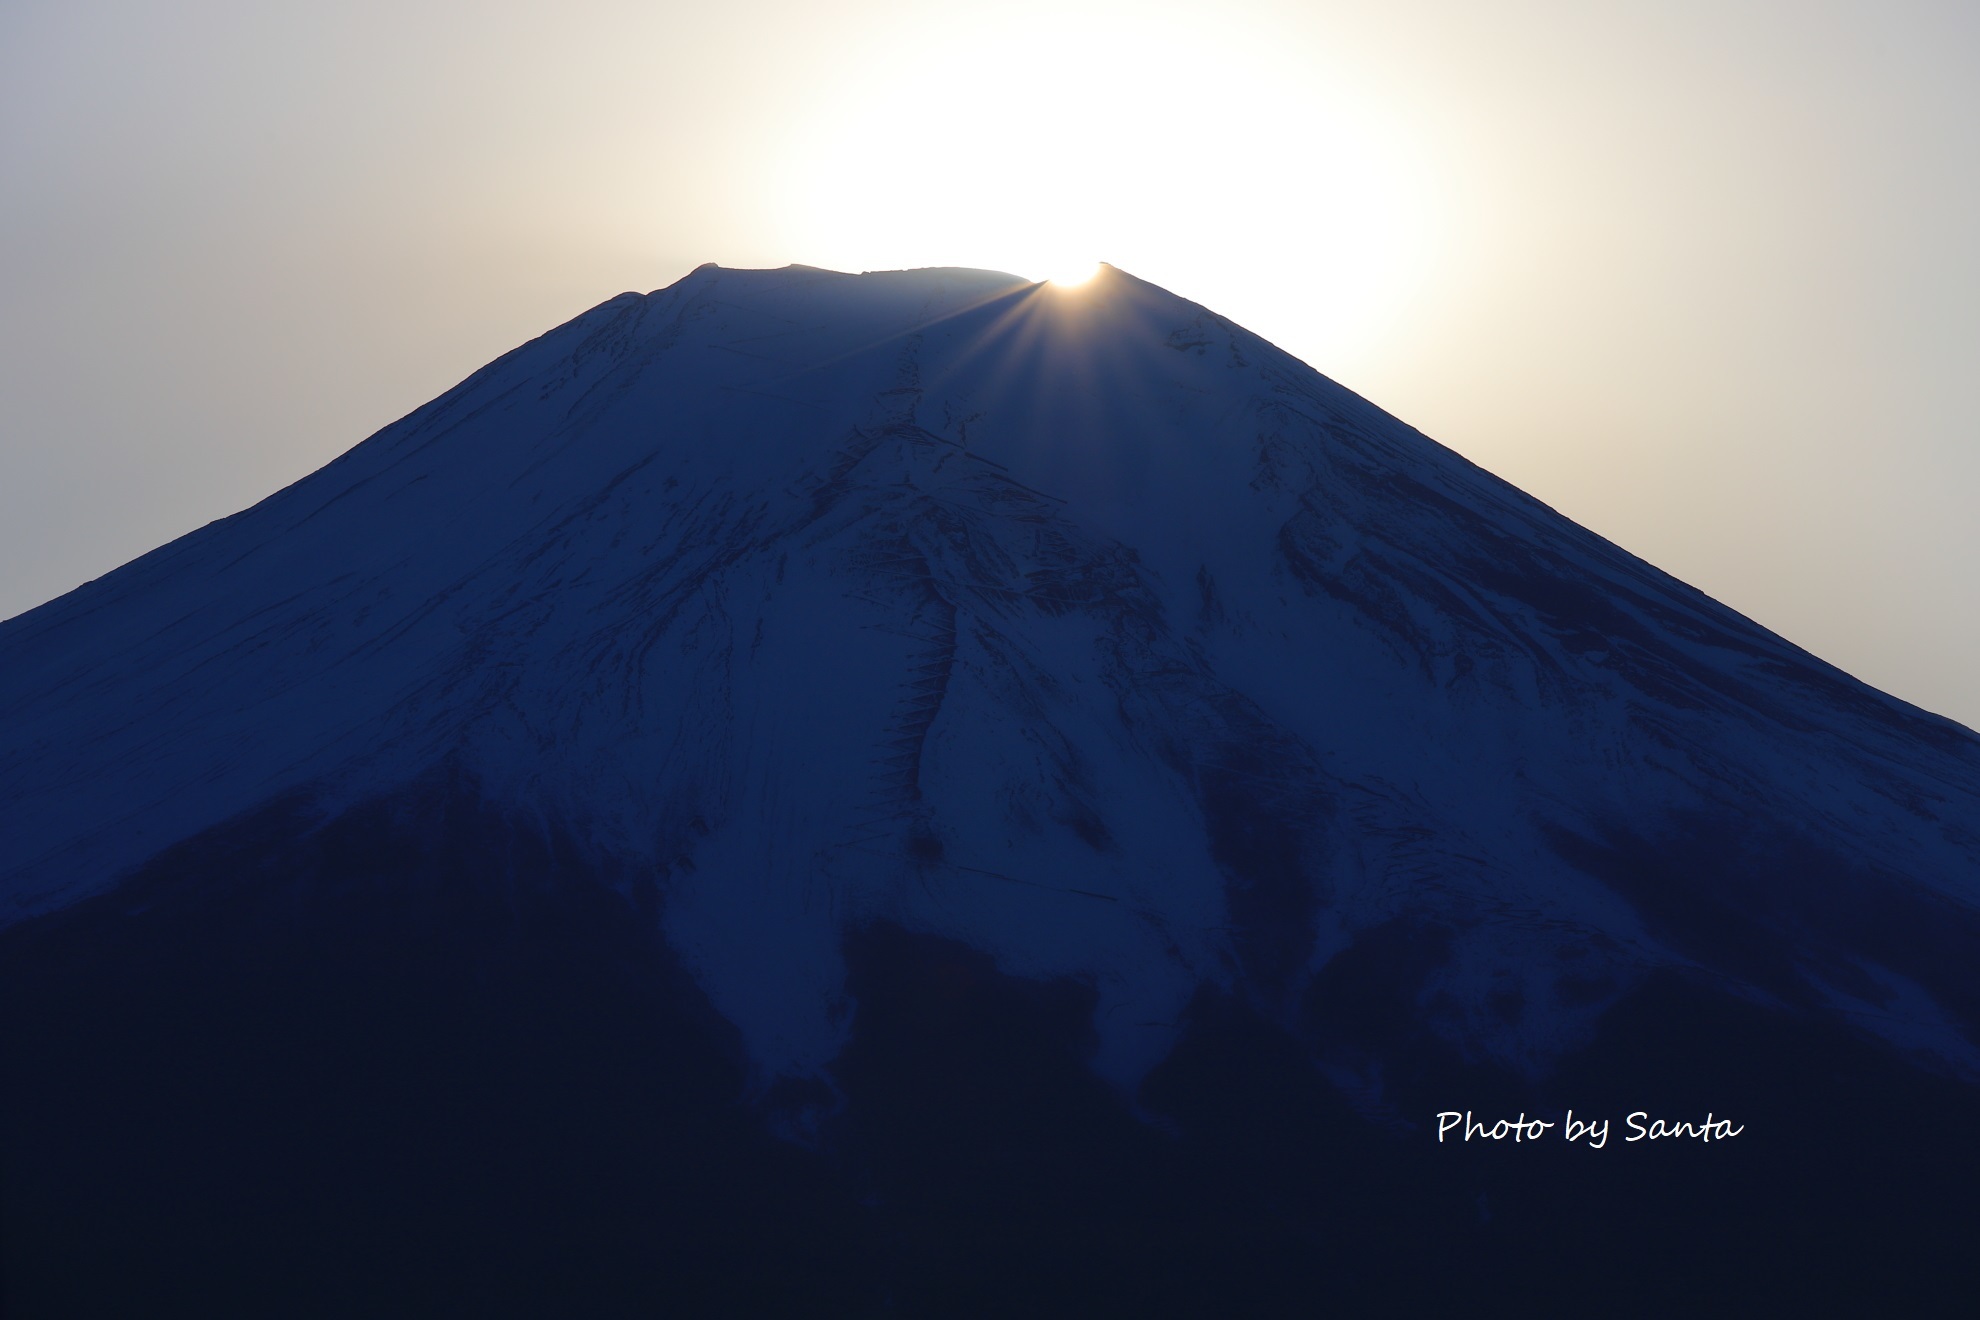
[1701,275]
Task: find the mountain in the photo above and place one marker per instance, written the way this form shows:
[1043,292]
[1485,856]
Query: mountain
[923,793]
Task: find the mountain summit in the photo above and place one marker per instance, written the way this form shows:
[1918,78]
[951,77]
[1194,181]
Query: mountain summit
[890,677]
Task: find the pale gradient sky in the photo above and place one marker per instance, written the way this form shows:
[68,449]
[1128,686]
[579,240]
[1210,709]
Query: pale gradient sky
[1700,275]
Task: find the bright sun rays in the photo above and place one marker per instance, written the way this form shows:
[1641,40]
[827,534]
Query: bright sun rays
[1167,146]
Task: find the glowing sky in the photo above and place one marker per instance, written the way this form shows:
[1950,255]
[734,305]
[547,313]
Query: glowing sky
[1701,275]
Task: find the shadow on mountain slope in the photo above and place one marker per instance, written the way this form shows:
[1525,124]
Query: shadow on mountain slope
[424,1059]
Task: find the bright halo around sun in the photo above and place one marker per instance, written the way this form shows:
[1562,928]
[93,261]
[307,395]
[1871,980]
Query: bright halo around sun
[1072,274]
[1177,142]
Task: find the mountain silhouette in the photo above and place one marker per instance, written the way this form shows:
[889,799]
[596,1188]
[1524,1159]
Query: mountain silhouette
[926,793]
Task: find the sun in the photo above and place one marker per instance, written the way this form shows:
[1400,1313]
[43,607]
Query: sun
[1068,274]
